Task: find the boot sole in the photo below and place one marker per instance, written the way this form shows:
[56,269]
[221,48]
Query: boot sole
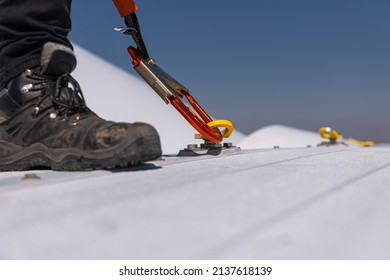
[38,156]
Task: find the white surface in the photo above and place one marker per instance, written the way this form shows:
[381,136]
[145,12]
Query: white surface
[302,203]
[280,135]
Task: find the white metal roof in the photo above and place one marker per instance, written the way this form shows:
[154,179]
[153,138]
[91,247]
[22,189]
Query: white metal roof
[265,203]
[298,203]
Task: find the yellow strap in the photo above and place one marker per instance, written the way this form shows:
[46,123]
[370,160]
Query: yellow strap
[227,125]
[361,143]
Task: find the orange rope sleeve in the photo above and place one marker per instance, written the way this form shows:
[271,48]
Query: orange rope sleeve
[125,7]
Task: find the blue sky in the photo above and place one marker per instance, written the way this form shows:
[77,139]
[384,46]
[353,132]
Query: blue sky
[303,63]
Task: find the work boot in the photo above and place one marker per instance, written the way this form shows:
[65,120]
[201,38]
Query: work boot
[45,123]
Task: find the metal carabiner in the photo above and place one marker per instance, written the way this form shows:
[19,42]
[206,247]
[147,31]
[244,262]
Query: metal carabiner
[173,92]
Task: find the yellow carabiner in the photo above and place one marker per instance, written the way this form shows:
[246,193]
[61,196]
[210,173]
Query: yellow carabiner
[332,135]
[227,125]
[328,133]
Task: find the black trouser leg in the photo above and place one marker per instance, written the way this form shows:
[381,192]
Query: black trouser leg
[25,25]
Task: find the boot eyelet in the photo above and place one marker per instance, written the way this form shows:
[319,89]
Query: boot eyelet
[35,112]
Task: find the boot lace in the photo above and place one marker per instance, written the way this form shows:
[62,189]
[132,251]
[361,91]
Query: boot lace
[67,97]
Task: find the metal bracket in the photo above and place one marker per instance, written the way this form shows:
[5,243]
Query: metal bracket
[207,148]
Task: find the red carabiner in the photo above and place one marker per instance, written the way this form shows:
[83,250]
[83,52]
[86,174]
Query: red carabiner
[198,122]
[172,92]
